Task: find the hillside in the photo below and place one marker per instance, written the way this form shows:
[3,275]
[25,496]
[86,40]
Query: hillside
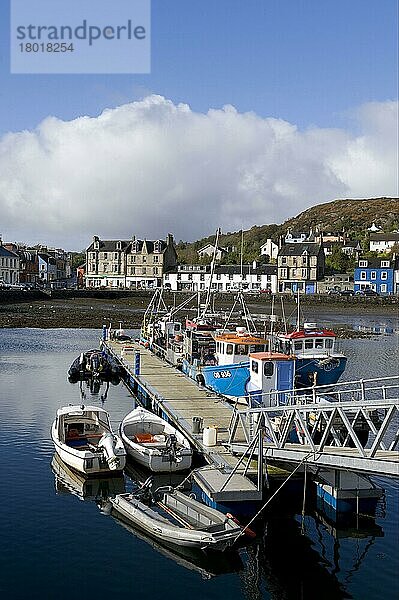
[353,216]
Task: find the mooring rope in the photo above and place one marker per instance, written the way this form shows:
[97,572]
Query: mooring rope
[272,496]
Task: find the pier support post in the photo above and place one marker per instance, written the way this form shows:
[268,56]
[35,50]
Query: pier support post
[137,362]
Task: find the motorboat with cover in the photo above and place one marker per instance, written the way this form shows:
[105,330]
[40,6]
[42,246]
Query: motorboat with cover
[172,517]
[83,439]
[94,364]
[154,443]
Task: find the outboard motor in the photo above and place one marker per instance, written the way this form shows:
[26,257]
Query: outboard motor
[107,443]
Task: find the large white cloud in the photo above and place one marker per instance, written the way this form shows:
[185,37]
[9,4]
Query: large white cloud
[153,167]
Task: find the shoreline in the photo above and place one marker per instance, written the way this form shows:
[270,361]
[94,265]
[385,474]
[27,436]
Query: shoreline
[93,313]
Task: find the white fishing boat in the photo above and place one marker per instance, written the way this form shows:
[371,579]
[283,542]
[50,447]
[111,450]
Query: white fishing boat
[154,443]
[174,518]
[83,439]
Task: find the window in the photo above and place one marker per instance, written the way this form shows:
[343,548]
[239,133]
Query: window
[144,258]
[155,270]
[230,276]
[293,272]
[229,349]
[329,343]
[156,258]
[218,276]
[383,288]
[116,256]
[132,270]
[166,276]
[241,349]
[363,275]
[385,263]
[373,275]
[254,366]
[308,344]
[384,275]
[283,260]
[304,272]
[144,271]
[268,368]
[298,345]
[304,260]
[362,263]
[115,268]
[318,343]
[105,254]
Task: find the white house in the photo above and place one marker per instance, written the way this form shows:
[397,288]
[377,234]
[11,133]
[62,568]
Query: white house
[226,278]
[209,249]
[270,249]
[383,242]
[9,265]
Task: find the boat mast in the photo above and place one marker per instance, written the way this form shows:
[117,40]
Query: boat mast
[208,295]
[298,316]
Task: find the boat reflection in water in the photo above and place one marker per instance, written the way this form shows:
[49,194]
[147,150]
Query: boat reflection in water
[67,481]
[208,563]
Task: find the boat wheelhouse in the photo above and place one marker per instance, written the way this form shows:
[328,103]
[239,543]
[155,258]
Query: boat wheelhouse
[272,378]
[318,363]
[224,367]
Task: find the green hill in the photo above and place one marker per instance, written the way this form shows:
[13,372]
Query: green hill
[352,216]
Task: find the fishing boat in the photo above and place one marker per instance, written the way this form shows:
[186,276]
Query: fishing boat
[94,364]
[154,443]
[83,439]
[317,361]
[172,517]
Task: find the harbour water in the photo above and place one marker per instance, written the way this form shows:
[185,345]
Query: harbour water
[57,545]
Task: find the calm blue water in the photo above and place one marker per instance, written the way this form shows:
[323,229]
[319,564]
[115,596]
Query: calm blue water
[54,545]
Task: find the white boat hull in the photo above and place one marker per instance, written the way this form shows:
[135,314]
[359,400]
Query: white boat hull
[160,528]
[87,458]
[156,454]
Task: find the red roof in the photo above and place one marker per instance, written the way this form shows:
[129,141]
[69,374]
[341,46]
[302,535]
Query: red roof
[271,356]
[305,333]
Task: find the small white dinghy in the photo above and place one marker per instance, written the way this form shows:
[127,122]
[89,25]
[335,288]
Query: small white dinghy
[154,443]
[172,517]
[84,440]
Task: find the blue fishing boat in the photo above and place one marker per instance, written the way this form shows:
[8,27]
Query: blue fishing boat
[317,361]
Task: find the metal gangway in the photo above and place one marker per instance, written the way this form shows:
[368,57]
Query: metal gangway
[351,425]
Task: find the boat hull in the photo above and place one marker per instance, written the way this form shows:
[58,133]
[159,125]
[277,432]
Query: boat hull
[158,527]
[156,462]
[311,370]
[229,380]
[88,463]
[148,440]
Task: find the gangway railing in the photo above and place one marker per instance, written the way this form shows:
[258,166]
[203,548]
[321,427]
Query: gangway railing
[365,426]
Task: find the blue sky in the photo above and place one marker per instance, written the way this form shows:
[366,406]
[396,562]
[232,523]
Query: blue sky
[254,110]
[308,62]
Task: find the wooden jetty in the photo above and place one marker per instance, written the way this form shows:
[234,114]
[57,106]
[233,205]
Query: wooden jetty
[162,388]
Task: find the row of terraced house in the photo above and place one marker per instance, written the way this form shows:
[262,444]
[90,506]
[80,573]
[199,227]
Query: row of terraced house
[297,265]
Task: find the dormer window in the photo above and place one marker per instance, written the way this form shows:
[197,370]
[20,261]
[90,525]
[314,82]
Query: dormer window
[362,263]
[157,246]
[135,247]
[119,245]
[385,263]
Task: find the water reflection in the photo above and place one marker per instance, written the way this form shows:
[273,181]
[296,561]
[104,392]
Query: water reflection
[67,481]
[206,562]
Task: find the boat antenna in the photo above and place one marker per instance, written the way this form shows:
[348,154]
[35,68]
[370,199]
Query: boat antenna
[241,255]
[298,316]
[213,262]
[283,315]
[272,317]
